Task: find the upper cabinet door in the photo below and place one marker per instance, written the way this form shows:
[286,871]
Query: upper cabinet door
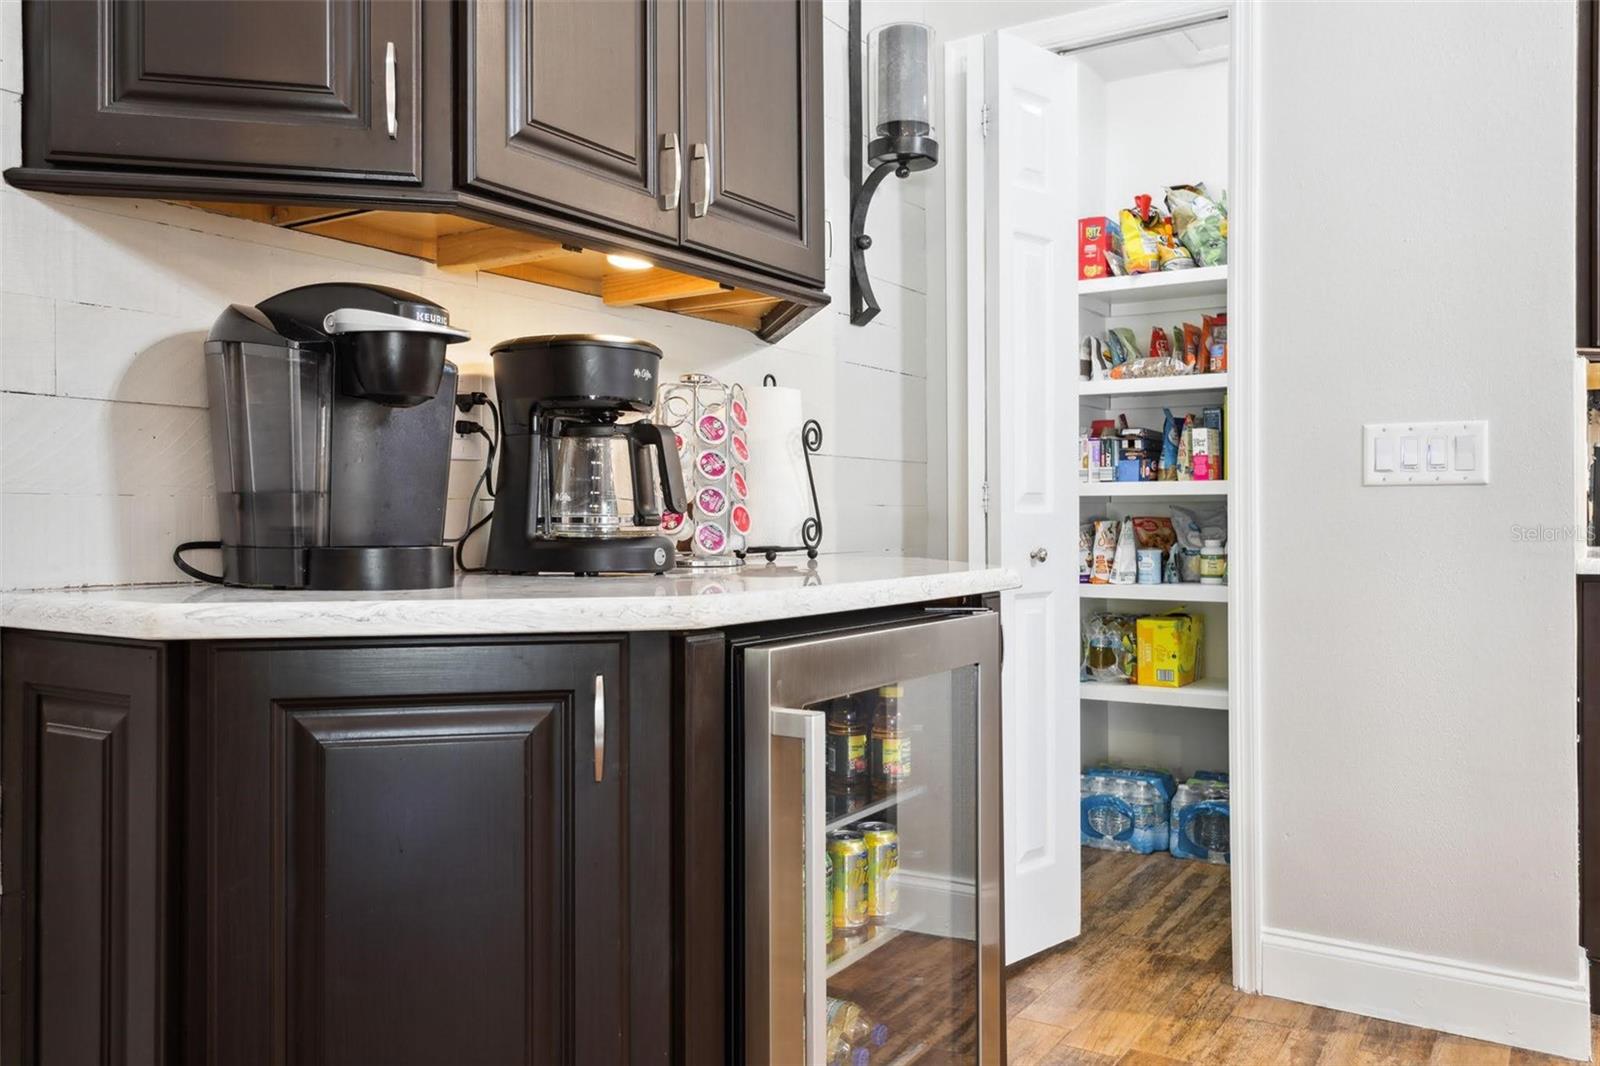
[753,126]
[286,88]
[573,106]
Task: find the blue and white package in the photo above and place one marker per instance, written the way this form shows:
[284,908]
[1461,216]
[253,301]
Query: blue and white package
[1125,810]
[1199,828]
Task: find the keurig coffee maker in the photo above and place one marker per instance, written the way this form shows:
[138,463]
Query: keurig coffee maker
[332,410]
[577,491]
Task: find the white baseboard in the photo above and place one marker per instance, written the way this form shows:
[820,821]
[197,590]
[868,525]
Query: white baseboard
[1539,1013]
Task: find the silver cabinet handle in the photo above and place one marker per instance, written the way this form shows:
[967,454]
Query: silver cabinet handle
[1039,555]
[388,90]
[599,727]
[671,172]
[702,203]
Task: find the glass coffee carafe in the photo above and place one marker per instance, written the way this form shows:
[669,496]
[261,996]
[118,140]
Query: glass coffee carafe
[603,482]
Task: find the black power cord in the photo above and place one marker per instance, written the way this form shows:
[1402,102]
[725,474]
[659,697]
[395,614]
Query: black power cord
[196,545]
[485,480]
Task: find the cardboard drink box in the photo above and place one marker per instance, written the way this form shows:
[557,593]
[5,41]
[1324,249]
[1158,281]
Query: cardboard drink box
[1168,649]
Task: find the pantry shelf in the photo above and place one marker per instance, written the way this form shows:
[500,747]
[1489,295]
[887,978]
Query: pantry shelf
[1112,387]
[1118,293]
[1189,592]
[1148,489]
[1207,693]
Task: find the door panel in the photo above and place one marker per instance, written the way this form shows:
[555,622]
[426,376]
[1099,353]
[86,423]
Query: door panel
[1030,257]
[753,127]
[571,104]
[273,87]
[421,828]
[85,731]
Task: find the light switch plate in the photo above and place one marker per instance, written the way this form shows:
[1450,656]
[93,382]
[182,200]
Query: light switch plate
[1465,448]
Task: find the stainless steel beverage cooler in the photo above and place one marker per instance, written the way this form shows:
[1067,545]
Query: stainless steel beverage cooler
[920,980]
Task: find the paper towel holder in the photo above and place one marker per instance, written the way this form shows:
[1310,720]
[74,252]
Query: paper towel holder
[811,528]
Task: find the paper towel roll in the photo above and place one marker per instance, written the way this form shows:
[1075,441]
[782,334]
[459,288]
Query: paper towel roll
[780,495]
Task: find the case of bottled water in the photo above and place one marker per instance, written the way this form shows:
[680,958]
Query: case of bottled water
[1125,809]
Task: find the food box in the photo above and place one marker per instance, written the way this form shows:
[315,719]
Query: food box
[1095,236]
[1168,649]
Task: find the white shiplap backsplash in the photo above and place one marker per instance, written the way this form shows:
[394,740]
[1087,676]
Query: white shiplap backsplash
[104,450]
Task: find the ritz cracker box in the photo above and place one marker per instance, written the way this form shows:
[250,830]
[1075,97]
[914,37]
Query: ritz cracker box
[1095,237]
[1168,649]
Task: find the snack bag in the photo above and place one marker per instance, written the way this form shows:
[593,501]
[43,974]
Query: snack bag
[1105,550]
[1214,343]
[1191,346]
[1156,532]
[1160,343]
[1141,247]
[1200,222]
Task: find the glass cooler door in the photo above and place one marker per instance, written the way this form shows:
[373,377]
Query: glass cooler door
[872,846]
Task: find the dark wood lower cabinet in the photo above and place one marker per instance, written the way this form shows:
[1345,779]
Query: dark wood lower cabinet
[88,912]
[352,852]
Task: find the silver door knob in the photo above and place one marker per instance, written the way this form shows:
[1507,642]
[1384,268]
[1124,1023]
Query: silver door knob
[1039,555]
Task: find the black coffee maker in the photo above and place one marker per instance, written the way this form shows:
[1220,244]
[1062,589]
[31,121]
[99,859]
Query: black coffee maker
[332,411]
[577,491]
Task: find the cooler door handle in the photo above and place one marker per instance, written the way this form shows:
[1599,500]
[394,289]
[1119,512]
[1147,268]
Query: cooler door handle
[796,884]
[599,727]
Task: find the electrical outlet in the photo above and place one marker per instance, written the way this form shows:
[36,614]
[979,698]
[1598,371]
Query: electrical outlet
[469,446]
[1425,453]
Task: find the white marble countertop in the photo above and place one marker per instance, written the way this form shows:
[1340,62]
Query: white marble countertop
[483,604]
[1589,561]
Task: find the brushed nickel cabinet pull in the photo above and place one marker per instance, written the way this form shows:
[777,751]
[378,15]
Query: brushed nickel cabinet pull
[671,172]
[388,90]
[599,727]
[701,203]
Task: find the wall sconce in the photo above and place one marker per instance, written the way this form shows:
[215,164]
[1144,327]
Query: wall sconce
[901,110]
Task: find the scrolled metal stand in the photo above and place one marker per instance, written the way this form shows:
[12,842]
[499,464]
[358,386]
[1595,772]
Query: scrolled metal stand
[811,528]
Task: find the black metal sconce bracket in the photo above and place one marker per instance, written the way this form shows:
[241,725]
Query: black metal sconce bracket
[901,149]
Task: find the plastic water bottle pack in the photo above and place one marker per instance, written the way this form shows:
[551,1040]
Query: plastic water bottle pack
[1125,809]
[1199,827]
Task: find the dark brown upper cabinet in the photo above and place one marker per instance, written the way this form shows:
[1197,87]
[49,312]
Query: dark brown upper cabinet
[319,88]
[753,127]
[574,107]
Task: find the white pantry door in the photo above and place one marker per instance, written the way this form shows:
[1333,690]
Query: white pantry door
[1032,352]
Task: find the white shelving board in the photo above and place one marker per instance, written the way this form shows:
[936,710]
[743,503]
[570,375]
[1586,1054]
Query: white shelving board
[1206,693]
[1152,489]
[1113,389]
[1187,592]
[1124,295]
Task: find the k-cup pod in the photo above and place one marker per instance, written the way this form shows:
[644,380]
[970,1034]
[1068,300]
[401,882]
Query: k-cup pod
[710,538]
[680,441]
[711,502]
[736,481]
[737,407]
[711,428]
[671,522]
[740,448]
[739,519]
[711,465]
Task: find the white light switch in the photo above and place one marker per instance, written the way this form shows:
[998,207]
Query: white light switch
[1438,453]
[1425,453]
[1383,454]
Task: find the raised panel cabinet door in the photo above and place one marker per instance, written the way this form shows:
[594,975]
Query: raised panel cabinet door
[573,106]
[85,840]
[284,88]
[753,127]
[414,853]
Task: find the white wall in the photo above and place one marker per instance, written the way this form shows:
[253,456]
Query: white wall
[1420,790]
[104,453]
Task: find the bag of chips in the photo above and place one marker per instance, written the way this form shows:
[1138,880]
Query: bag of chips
[1141,246]
[1200,222]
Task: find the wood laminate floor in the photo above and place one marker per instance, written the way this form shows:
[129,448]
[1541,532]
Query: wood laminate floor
[1149,983]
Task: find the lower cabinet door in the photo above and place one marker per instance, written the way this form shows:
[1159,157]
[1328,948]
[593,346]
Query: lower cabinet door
[85,741]
[413,853]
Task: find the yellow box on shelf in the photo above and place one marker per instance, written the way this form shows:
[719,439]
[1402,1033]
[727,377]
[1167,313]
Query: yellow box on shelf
[1168,649]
